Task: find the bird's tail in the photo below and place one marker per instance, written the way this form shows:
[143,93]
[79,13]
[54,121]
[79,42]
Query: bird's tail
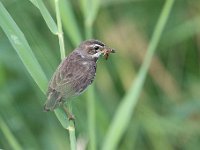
[53,100]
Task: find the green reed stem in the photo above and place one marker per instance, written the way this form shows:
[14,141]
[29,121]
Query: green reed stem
[72,135]
[126,107]
[71,127]
[60,31]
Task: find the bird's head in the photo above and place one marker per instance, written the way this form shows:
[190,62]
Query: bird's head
[92,49]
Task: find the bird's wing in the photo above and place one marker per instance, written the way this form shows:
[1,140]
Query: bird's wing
[73,76]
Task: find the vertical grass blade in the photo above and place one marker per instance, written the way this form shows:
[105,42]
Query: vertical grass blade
[9,136]
[46,15]
[89,14]
[22,48]
[123,114]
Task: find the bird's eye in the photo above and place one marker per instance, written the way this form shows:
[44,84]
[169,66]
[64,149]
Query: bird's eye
[96,47]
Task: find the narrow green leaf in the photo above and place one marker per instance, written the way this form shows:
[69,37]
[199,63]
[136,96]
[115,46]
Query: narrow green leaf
[25,53]
[22,48]
[34,3]
[62,118]
[46,15]
[126,107]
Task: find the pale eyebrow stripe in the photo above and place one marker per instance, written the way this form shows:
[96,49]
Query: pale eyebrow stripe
[98,45]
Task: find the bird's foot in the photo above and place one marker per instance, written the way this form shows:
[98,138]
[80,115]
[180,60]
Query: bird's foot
[70,116]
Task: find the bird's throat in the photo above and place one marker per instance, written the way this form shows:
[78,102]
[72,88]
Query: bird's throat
[96,55]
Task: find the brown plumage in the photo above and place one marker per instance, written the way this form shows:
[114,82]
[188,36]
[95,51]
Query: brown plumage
[74,73]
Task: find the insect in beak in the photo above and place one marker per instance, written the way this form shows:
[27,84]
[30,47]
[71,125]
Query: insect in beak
[106,52]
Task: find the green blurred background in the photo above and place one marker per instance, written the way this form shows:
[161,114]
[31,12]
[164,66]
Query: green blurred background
[167,114]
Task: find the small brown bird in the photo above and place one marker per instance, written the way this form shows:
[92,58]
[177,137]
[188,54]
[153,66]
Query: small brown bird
[75,73]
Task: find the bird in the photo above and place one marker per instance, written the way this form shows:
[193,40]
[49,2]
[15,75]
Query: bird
[75,73]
